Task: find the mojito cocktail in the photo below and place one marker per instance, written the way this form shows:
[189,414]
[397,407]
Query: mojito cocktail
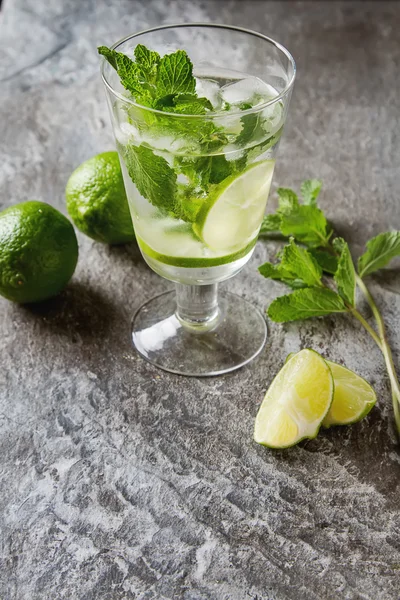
[198,113]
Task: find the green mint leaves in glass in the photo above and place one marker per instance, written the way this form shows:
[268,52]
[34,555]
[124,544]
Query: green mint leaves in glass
[198,112]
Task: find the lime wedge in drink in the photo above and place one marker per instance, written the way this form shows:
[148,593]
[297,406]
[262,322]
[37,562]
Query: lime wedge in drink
[353,397]
[296,402]
[231,216]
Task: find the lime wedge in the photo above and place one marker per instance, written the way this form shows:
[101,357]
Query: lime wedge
[232,215]
[296,402]
[353,397]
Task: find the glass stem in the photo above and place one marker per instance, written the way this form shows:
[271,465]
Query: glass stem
[197,306]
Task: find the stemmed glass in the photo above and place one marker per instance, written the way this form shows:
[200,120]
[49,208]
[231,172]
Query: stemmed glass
[210,174]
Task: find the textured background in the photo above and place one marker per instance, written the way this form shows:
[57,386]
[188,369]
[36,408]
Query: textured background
[121,482]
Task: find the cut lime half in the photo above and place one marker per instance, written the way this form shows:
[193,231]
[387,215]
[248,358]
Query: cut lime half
[296,402]
[231,216]
[353,397]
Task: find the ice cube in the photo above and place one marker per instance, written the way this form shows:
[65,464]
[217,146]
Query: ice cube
[232,152]
[251,90]
[209,88]
[126,133]
[272,118]
[231,123]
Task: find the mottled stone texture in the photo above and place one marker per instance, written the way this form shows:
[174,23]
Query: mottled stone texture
[119,481]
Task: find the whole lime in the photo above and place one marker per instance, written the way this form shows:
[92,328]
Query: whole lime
[97,202]
[38,252]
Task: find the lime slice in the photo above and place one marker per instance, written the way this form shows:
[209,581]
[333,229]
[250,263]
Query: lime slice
[232,215]
[195,262]
[353,397]
[296,403]
[174,243]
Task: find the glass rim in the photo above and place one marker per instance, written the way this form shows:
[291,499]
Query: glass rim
[211,114]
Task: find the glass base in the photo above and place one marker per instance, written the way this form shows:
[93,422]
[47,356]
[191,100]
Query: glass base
[233,338]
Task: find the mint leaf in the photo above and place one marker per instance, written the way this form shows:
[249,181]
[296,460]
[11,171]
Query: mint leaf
[189,104]
[306,223]
[187,203]
[288,201]
[326,261]
[380,251]
[303,304]
[152,175]
[196,169]
[148,60]
[132,76]
[251,128]
[221,168]
[110,55]
[279,273]
[175,75]
[301,265]
[259,149]
[345,275]
[310,190]
[271,224]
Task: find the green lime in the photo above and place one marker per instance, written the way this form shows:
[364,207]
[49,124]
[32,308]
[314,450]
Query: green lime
[353,398]
[96,200]
[231,217]
[296,402]
[38,252]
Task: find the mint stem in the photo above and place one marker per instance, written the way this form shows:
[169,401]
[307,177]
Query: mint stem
[386,350]
[366,326]
[381,341]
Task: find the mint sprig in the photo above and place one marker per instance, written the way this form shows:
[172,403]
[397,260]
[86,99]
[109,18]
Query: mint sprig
[306,269]
[165,84]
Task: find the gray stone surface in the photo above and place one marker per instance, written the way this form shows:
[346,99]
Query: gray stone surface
[119,481]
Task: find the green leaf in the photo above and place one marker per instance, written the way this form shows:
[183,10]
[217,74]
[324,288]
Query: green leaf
[259,149]
[132,76]
[288,201]
[326,261]
[271,224]
[303,304]
[187,203]
[301,264]
[310,190]
[251,129]
[345,275]
[175,75]
[110,55]
[152,175]
[220,168]
[380,251]
[197,169]
[189,104]
[279,273]
[306,223]
[147,59]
